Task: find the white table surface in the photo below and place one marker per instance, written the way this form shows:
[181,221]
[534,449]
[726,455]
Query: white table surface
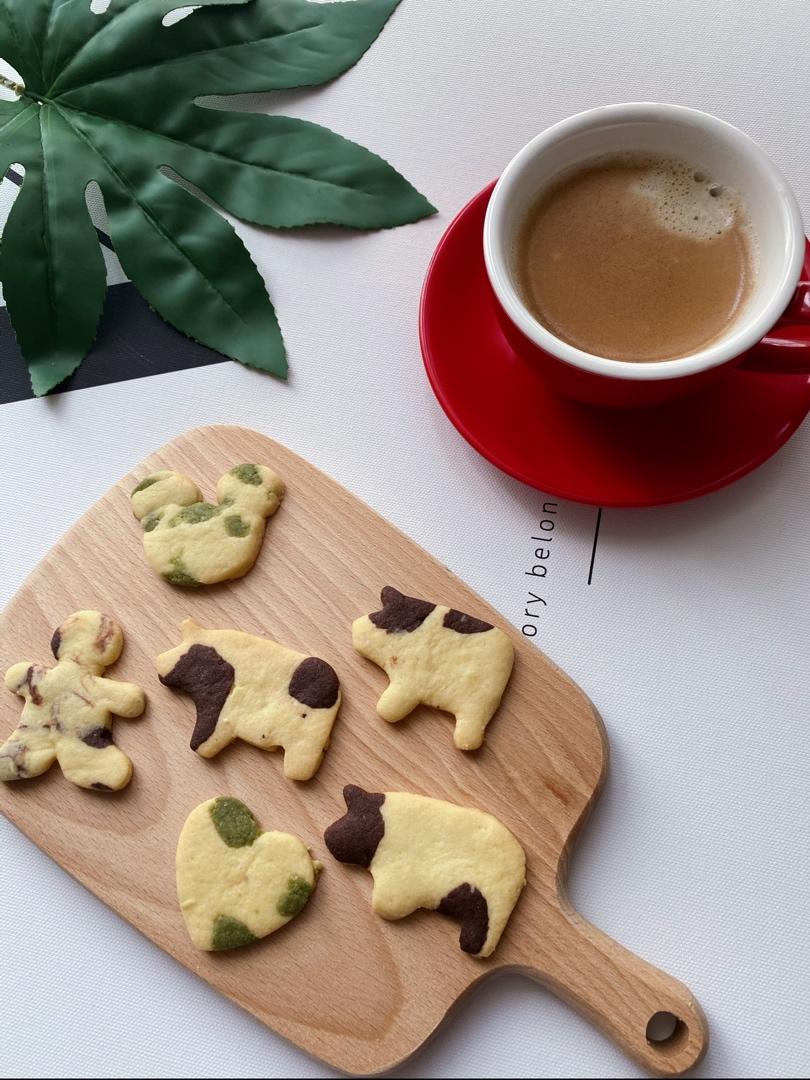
[692,638]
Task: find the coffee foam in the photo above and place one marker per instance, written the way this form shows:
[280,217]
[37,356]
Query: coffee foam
[683,198]
[687,201]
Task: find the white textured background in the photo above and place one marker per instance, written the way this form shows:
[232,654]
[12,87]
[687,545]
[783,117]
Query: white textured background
[692,639]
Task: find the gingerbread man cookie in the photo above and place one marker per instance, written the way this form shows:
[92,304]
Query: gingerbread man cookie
[426,853]
[68,707]
[190,542]
[436,656]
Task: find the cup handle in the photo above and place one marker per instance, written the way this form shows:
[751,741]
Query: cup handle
[785,350]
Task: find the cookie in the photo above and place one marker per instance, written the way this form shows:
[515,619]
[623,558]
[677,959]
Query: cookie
[426,853]
[434,655]
[190,542]
[251,688]
[68,708]
[235,883]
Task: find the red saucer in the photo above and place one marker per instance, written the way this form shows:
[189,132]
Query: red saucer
[602,456]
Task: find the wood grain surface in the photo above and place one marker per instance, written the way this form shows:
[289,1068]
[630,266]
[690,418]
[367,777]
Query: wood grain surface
[358,992]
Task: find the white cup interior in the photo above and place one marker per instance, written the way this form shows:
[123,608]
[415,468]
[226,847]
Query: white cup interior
[721,151]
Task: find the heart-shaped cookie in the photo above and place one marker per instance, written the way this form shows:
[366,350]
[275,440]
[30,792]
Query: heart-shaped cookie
[236,883]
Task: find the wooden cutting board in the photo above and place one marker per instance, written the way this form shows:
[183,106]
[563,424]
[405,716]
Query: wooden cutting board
[358,992]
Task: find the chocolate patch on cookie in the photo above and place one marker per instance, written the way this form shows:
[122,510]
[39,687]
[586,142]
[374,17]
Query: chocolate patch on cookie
[314,683]
[400,613]
[98,738]
[30,682]
[467,905]
[354,838]
[105,633]
[208,680]
[56,642]
[464,624]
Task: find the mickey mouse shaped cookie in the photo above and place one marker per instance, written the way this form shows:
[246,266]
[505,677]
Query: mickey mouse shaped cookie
[436,656]
[66,716]
[190,542]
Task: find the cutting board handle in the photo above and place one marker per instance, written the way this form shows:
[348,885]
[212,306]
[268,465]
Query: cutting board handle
[621,994]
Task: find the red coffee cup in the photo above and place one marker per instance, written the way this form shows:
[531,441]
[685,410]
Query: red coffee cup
[771,333]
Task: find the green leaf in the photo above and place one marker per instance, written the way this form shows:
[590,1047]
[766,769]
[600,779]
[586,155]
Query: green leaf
[111,98]
[54,331]
[18,120]
[276,170]
[183,257]
[74,26]
[22,32]
[265,45]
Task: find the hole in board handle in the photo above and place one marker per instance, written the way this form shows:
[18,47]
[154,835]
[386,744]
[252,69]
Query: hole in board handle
[666,1032]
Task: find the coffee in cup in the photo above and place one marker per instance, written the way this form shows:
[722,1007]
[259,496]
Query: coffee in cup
[767,304]
[636,257]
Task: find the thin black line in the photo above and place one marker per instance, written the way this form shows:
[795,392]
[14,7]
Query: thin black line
[595,542]
[15,178]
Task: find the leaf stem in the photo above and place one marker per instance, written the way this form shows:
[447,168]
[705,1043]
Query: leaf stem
[9,85]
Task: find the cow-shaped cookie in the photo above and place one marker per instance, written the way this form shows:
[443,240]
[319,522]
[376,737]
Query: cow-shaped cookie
[247,687]
[191,542]
[436,656]
[426,853]
[68,707]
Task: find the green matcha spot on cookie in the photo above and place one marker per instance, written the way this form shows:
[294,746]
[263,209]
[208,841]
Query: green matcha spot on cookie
[180,575]
[236,526]
[196,514]
[248,474]
[151,521]
[298,892]
[234,822]
[230,933]
[144,484]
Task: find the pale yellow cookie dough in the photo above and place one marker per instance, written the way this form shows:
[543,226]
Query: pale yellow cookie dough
[251,688]
[236,883]
[190,542]
[427,853]
[68,707]
[437,656]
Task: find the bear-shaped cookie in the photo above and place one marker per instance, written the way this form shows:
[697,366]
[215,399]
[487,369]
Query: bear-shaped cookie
[427,853]
[251,688]
[190,542]
[434,655]
[236,883]
[68,707]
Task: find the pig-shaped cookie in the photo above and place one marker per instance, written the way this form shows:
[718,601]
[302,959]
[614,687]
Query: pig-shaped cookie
[436,656]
